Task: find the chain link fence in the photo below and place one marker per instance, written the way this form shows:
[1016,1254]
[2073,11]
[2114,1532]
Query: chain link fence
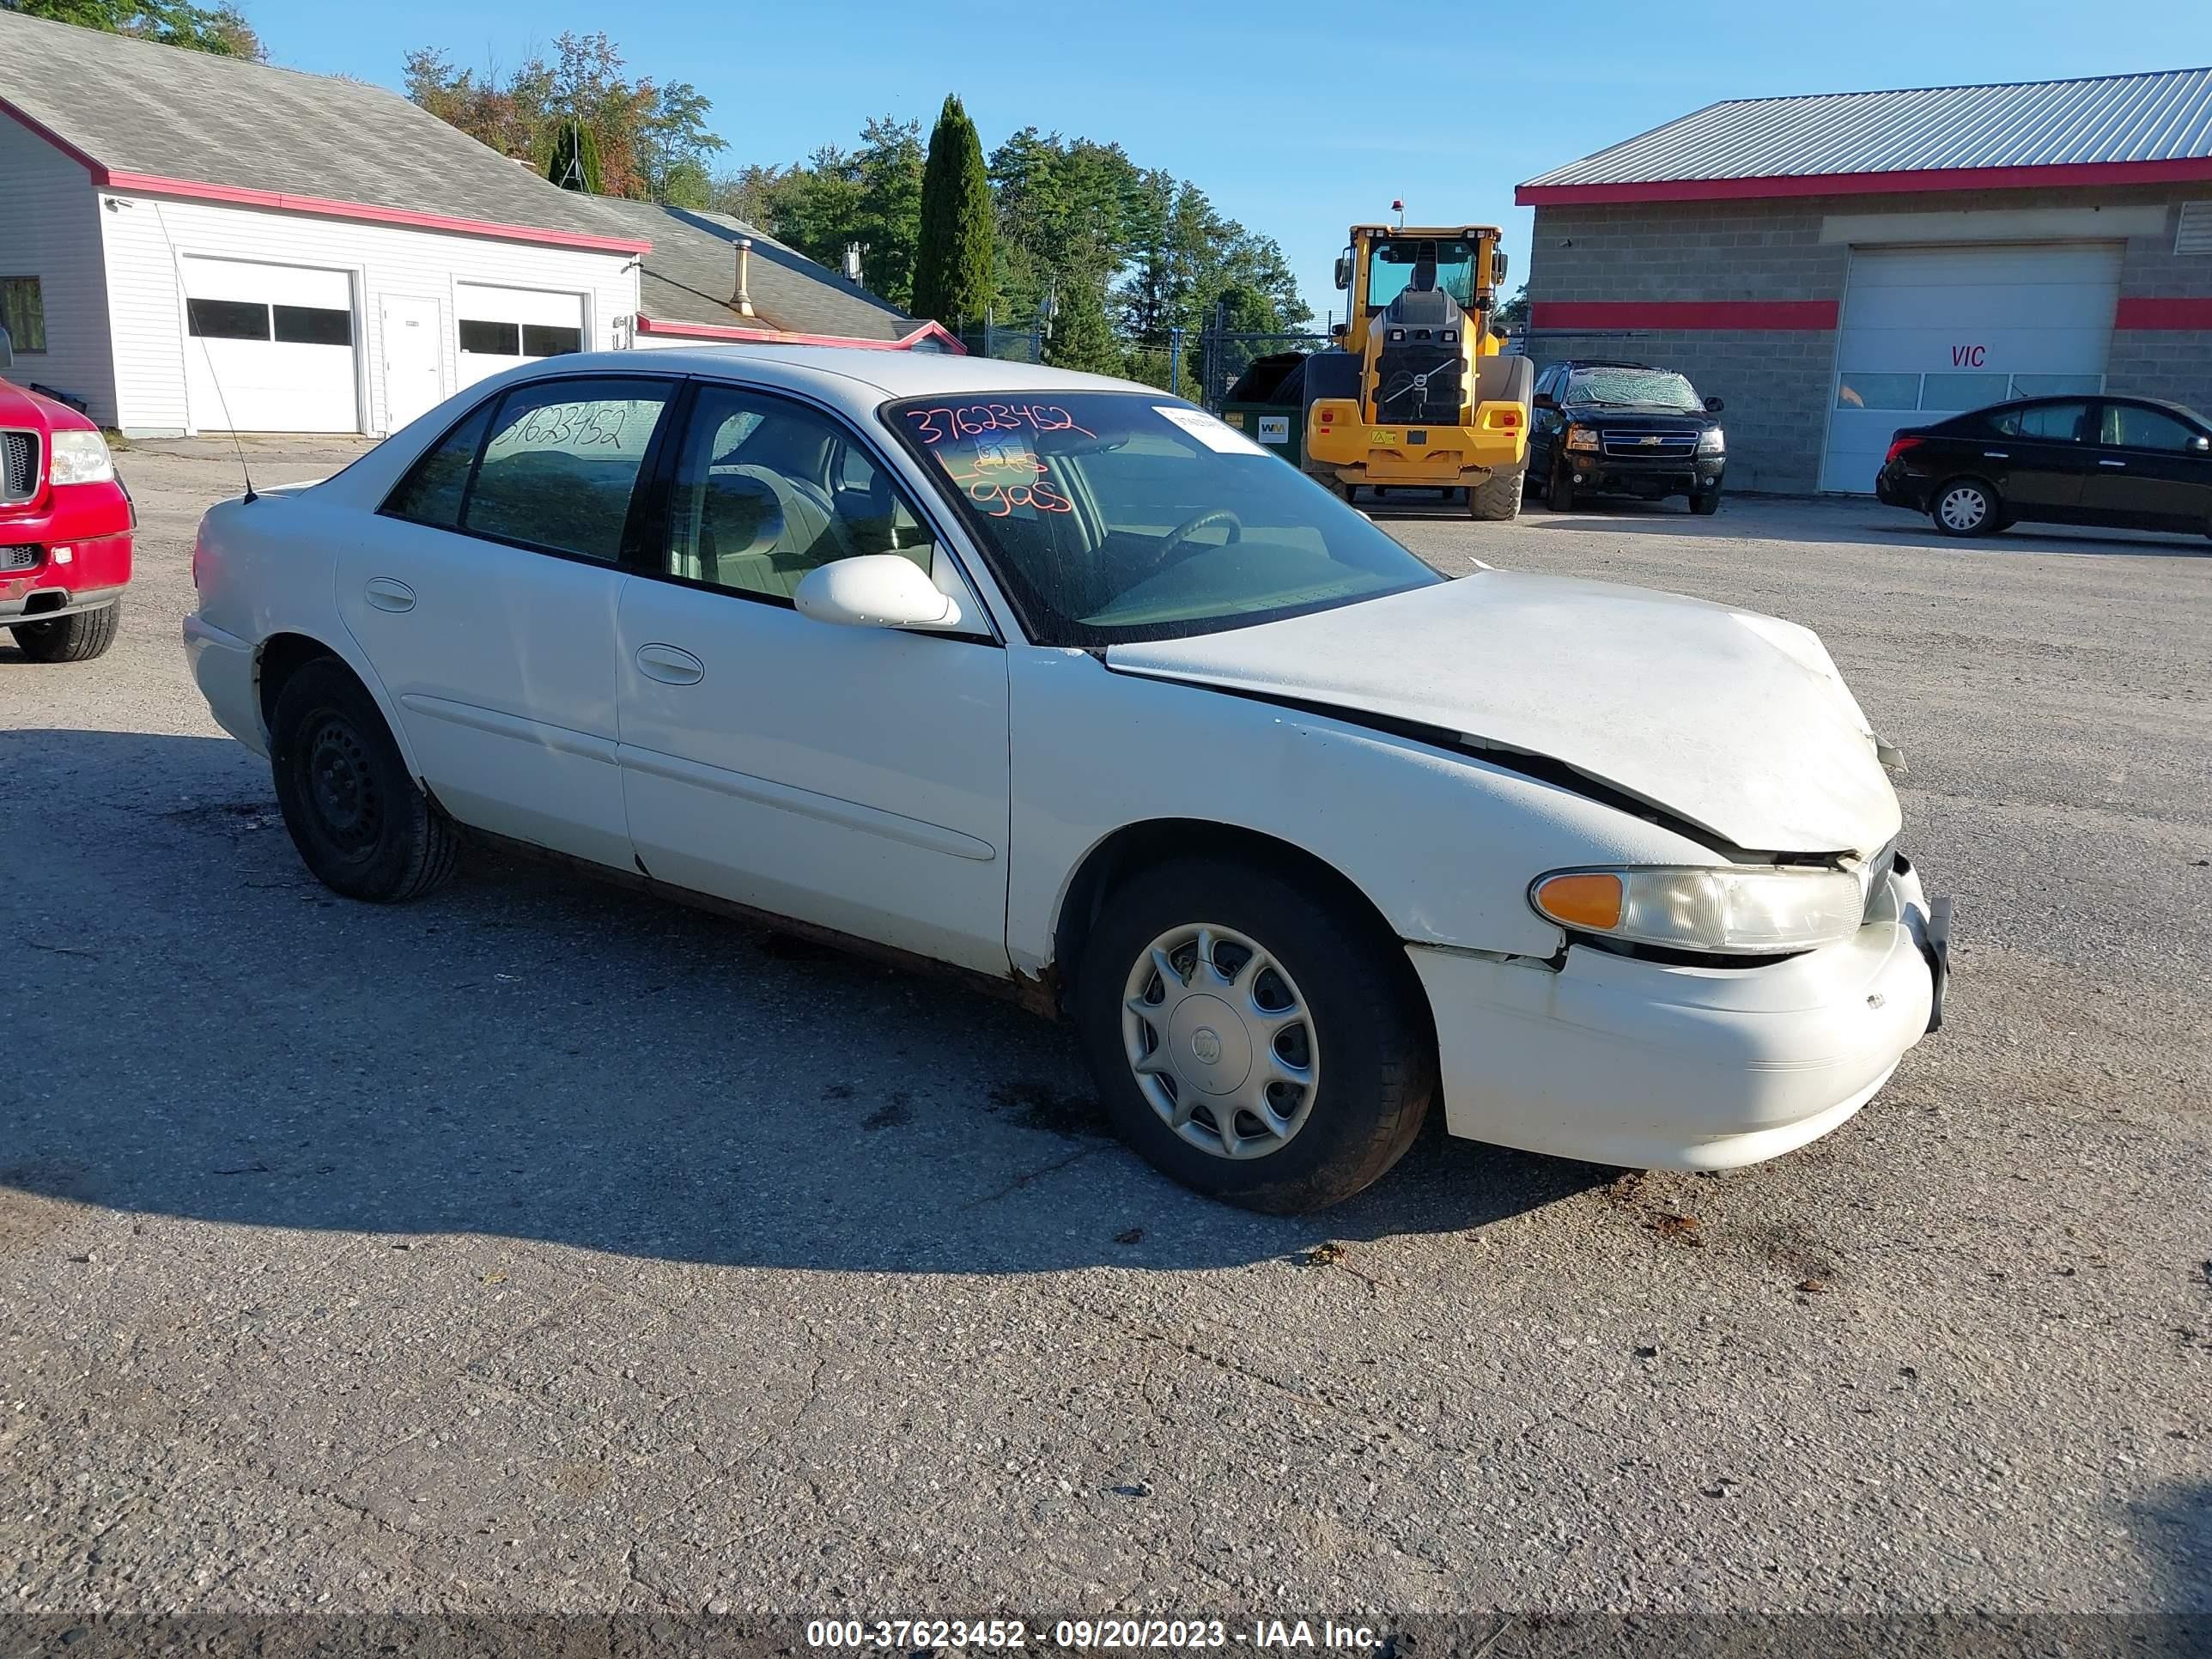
[1226,356]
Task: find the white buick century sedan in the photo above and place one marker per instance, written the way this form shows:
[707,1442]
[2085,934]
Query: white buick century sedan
[1060,682]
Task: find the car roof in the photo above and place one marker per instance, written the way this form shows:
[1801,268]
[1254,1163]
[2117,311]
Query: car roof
[849,372]
[1611,362]
[2167,405]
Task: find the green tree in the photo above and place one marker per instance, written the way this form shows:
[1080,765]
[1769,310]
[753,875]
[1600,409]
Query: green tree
[651,139]
[1512,314]
[574,163]
[891,166]
[221,29]
[955,253]
[1081,337]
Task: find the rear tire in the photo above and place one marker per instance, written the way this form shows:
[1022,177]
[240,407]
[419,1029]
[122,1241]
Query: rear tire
[1497,498]
[1966,506]
[79,638]
[360,824]
[1359,1036]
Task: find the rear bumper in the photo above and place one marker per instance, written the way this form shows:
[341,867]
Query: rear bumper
[1442,456]
[222,667]
[1894,487]
[69,575]
[1620,1060]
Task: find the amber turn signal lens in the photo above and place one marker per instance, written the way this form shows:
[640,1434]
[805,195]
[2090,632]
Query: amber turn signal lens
[1582,900]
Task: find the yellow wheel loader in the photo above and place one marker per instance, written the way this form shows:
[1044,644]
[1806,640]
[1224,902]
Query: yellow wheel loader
[1417,393]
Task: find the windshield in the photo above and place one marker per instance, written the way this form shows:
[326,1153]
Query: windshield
[1111,516]
[1655,387]
[1391,265]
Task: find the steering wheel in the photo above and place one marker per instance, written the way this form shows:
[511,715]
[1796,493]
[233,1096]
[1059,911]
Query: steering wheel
[1190,526]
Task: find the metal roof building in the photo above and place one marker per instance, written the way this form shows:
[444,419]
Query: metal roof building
[1840,265]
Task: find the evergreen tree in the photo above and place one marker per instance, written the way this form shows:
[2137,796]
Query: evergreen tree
[1081,337]
[575,161]
[955,260]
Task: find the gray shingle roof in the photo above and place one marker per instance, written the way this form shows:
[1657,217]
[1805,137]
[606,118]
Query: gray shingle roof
[158,112]
[2161,116]
[691,271]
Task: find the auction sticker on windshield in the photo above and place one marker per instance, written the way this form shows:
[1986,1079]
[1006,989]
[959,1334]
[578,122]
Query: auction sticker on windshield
[1214,435]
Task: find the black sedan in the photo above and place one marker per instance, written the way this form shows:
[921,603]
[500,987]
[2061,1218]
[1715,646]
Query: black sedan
[2131,463]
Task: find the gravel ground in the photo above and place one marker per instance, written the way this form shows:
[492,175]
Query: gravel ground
[538,1248]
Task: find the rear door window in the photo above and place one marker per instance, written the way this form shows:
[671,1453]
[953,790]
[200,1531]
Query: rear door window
[561,463]
[2052,423]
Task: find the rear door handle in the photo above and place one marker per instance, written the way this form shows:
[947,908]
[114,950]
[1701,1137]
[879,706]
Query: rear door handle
[671,665]
[386,594]
[2111,463]
[1996,455]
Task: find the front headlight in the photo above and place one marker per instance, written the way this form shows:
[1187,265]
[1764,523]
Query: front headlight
[1726,909]
[1710,443]
[1582,437]
[81,458]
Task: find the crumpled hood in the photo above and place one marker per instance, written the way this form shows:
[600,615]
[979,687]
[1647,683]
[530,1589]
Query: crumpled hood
[1735,721]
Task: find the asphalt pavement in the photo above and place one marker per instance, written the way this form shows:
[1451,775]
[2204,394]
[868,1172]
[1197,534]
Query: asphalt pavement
[539,1247]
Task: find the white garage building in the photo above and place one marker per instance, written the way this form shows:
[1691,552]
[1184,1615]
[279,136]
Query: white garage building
[1840,265]
[191,243]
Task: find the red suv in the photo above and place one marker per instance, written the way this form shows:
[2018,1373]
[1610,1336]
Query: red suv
[65,524]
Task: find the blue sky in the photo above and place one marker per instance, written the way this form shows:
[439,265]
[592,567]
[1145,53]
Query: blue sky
[1296,119]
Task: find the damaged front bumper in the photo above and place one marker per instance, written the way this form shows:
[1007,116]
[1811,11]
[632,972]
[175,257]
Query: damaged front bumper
[1621,1059]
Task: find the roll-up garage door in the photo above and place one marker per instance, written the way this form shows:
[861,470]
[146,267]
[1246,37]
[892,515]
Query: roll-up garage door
[270,348]
[501,327]
[1930,331]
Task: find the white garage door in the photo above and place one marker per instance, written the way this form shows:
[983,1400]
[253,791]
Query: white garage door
[501,327]
[1928,333]
[270,348]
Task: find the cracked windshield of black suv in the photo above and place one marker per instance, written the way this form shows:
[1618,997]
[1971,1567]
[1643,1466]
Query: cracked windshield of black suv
[1111,516]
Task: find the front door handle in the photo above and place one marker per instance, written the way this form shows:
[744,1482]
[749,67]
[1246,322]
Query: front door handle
[2111,463]
[670,664]
[386,594]
[1996,455]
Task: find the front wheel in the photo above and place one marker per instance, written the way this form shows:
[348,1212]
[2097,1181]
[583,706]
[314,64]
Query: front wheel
[1966,507]
[1497,498]
[360,823]
[1254,1042]
[77,638]
[1705,502]
[1560,495]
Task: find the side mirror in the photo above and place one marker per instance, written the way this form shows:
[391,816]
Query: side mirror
[1714,405]
[2201,444]
[7,350]
[1337,330]
[1544,400]
[1344,271]
[876,590]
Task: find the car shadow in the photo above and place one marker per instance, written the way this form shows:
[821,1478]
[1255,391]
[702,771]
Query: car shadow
[202,1031]
[1797,518]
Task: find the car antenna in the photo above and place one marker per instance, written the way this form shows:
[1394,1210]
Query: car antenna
[177,263]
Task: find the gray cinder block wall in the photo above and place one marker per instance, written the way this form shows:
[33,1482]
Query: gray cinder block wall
[1777,382]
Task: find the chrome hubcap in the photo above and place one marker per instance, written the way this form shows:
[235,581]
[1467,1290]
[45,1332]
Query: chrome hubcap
[1220,1041]
[1963,509]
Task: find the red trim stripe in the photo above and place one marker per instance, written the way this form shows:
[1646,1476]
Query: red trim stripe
[1798,315]
[2163,313]
[2185,169]
[153,185]
[779,337]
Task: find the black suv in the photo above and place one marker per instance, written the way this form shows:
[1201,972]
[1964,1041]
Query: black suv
[1627,428]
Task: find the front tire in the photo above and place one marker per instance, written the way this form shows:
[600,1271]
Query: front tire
[77,638]
[360,823]
[1497,498]
[1966,506]
[1705,502]
[1560,496]
[1253,1039]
